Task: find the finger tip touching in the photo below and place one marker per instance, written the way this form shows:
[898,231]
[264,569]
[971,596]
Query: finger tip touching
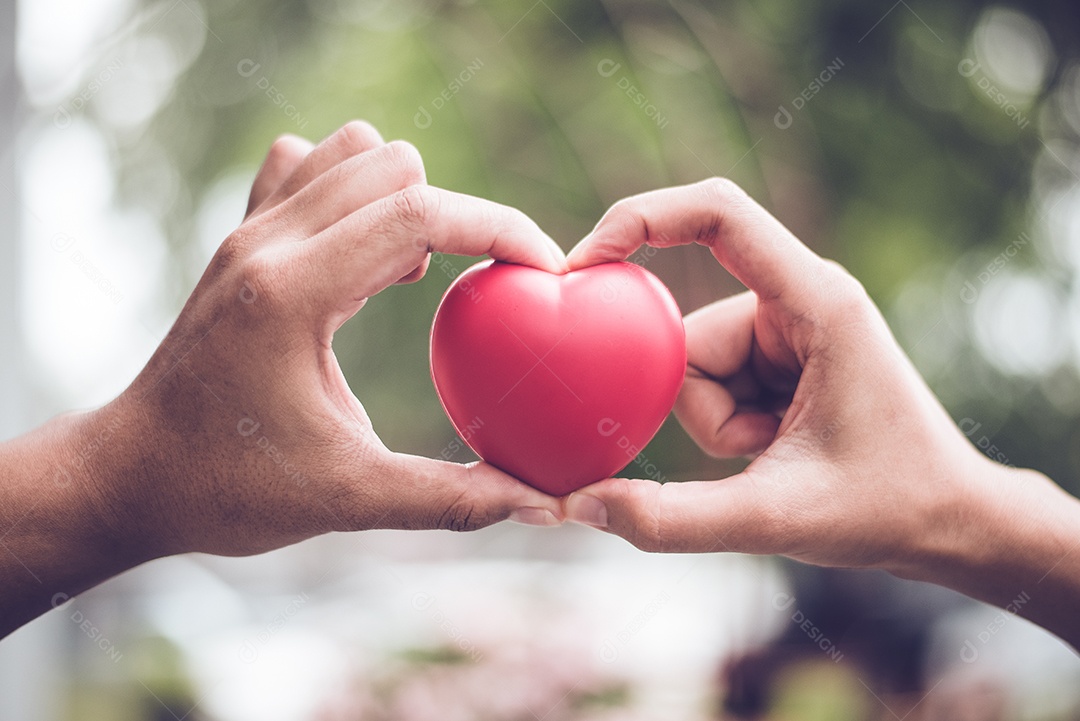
[587,509]
[598,247]
[550,258]
[558,258]
[553,251]
[575,260]
[580,255]
[534,516]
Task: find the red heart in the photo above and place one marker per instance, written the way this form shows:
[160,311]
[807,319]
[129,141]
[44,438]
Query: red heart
[559,380]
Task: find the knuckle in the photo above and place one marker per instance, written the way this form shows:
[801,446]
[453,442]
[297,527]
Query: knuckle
[406,162]
[261,280]
[235,249]
[723,197]
[837,270]
[640,500]
[358,135]
[626,214]
[723,190]
[231,250]
[715,196]
[461,516]
[625,210]
[847,294]
[414,205]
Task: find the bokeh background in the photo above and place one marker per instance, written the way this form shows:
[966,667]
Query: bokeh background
[930,147]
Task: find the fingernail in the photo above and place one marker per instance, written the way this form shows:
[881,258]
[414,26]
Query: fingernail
[534,517]
[589,510]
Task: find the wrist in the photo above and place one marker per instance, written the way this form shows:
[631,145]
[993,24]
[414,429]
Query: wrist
[64,519]
[952,528]
[966,524]
[115,476]
[1006,536]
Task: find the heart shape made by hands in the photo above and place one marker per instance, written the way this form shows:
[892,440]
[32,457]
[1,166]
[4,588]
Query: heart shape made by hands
[559,380]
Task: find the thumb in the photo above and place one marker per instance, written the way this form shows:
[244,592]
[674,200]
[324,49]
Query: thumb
[677,517]
[429,494]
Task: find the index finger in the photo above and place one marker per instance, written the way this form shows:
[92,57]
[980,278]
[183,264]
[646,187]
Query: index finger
[753,245]
[384,241]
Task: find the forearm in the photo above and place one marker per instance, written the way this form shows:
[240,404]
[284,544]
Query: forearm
[61,525]
[1015,543]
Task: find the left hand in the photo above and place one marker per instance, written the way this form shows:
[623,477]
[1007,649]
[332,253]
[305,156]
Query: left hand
[241,434]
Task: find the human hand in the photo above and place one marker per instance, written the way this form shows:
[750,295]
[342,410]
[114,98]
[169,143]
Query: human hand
[244,433]
[859,464]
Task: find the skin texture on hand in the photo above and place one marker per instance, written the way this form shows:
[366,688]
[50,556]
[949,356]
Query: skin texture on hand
[856,463]
[241,434]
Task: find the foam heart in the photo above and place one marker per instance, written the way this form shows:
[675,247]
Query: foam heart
[559,380]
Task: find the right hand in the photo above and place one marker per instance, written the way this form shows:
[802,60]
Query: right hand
[859,464]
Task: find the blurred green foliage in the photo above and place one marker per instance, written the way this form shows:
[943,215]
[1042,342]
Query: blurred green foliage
[896,165]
